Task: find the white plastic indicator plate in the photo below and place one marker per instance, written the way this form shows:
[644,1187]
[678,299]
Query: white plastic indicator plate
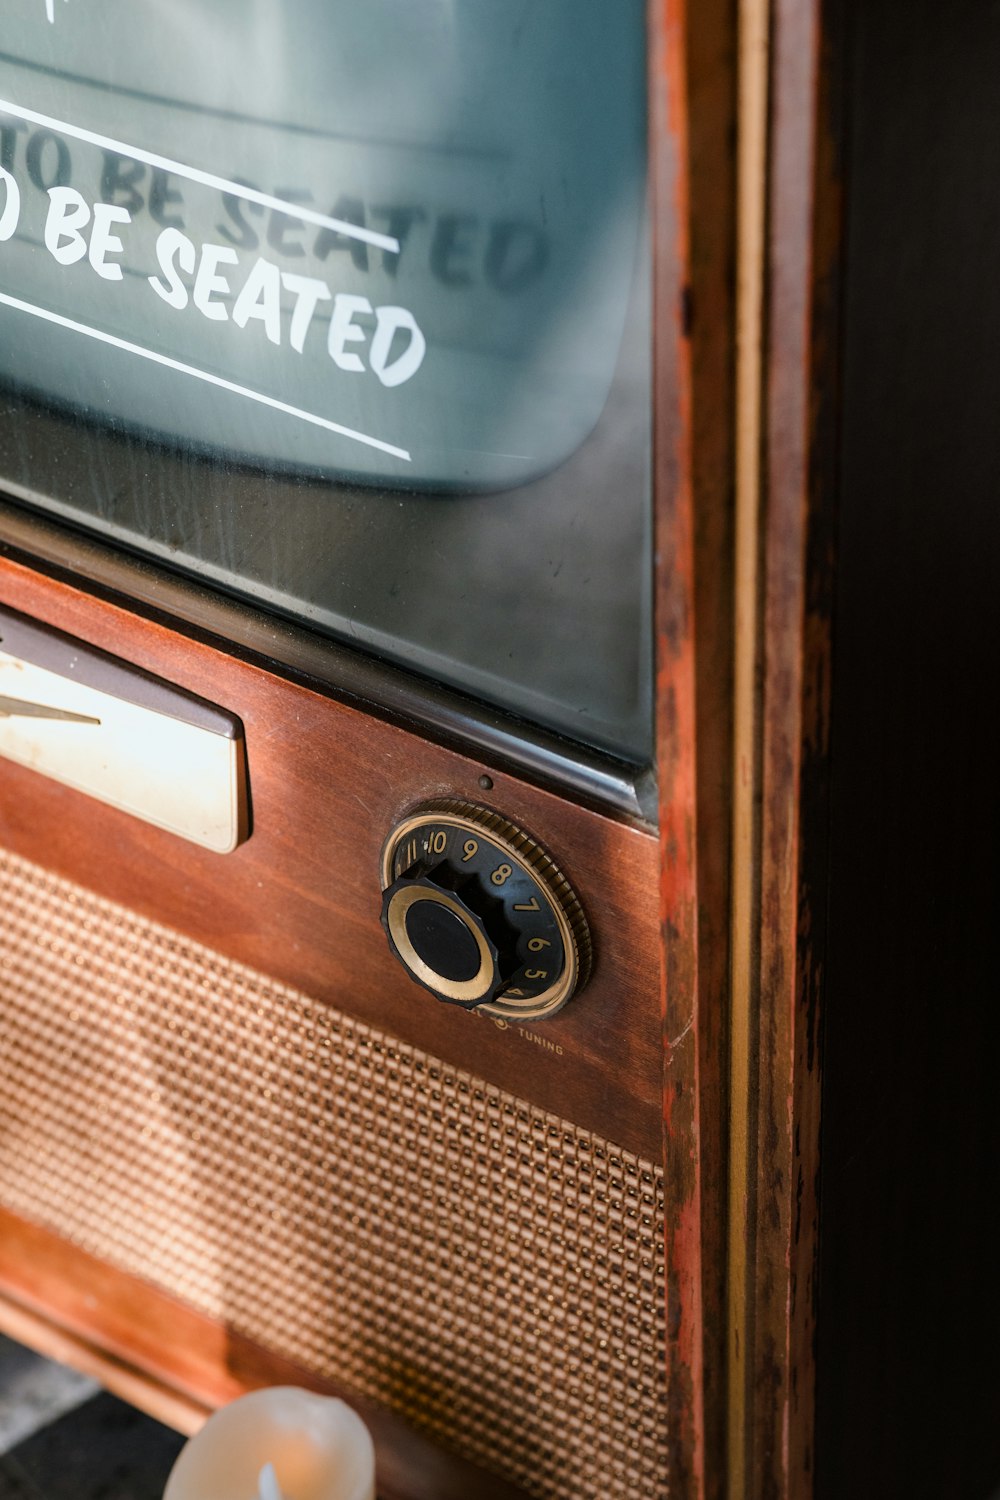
[184,776]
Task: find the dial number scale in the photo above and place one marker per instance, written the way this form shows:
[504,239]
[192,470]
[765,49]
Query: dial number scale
[480,915]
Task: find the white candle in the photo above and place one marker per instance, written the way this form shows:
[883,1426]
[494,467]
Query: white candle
[277,1444]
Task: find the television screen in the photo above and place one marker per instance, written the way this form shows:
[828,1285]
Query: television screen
[344,306]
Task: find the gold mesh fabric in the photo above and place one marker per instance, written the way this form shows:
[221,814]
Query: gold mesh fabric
[489,1270]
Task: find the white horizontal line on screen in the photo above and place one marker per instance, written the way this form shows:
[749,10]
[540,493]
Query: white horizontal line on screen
[226,385]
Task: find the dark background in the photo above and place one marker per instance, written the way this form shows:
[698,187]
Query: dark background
[909,1315]
[62,1438]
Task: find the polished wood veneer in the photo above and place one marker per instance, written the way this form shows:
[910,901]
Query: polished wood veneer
[300,900]
[179,1366]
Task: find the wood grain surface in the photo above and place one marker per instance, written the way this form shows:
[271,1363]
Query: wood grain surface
[641,1056]
[676,760]
[178,1364]
[300,900]
[711,66]
[776,1265]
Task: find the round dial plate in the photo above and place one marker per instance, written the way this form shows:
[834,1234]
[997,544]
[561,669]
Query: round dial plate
[457,874]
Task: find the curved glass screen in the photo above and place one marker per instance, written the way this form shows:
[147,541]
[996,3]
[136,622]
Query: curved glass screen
[344,306]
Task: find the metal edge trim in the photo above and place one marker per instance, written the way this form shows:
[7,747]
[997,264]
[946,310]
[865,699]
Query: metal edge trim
[63,655]
[60,550]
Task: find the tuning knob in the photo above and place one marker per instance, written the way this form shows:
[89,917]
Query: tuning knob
[480,915]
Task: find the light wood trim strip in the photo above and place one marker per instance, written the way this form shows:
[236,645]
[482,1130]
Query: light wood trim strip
[752,150]
[137,1387]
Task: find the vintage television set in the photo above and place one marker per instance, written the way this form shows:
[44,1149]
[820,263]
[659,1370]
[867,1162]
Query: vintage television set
[351,841]
[422,428]
[334,1030]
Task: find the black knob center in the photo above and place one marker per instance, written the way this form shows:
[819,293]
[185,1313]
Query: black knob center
[443,940]
[479,915]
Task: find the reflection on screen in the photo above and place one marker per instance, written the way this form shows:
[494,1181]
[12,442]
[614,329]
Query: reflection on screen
[277,276]
[391,239]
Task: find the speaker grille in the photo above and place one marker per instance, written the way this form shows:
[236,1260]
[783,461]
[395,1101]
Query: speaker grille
[491,1271]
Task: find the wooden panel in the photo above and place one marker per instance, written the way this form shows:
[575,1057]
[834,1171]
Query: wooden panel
[675,749]
[711,55]
[300,900]
[786,479]
[785,1126]
[175,1362]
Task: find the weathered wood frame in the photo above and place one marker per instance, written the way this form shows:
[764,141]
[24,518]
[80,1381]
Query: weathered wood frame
[734,921]
[790,247]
